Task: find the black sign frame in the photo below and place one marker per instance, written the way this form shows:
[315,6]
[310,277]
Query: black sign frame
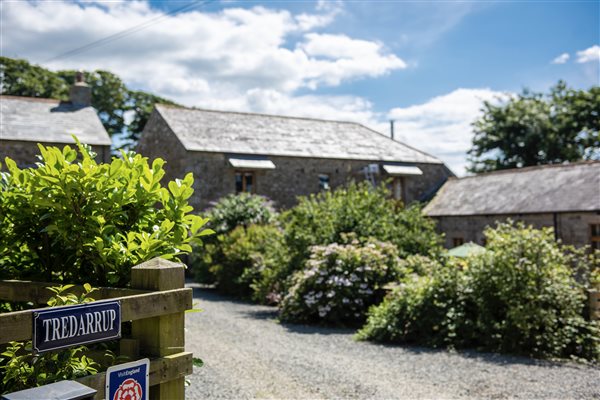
[42,314]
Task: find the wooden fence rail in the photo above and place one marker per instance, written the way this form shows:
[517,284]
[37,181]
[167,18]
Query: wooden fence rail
[155,305]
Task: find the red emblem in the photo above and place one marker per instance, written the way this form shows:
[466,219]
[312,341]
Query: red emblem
[130,389]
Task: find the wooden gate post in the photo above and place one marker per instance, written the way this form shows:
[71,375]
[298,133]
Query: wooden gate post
[164,335]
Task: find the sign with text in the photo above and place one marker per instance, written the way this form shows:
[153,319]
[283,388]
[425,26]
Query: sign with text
[128,381]
[59,327]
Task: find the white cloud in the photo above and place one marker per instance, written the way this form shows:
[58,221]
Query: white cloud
[195,54]
[442,125]
[589,54]
[563,58]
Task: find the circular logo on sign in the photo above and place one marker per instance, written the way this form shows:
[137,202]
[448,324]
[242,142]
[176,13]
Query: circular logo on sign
[130,389]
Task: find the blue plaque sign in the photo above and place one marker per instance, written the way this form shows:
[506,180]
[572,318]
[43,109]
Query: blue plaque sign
[59,327]
[128,381]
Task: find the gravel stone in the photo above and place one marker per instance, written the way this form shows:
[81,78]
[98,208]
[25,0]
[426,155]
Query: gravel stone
[248,354]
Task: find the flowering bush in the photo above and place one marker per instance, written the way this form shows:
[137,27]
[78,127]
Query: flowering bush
[340,282]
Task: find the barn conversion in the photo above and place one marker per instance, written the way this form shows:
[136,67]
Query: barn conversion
[282,157]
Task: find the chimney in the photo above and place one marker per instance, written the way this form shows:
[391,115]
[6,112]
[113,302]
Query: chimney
[392,129]
[80,94]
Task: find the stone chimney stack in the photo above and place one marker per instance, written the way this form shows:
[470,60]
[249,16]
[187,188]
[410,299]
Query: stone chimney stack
[80,94]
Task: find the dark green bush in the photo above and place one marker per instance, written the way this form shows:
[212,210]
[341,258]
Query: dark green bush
[340,282]
[361,209]
[526,298]
[520,297]
[72,220]
[243,209]
[430,309]
[247,262]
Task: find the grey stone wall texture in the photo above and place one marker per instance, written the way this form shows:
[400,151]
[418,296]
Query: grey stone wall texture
[571,228]
[292,177]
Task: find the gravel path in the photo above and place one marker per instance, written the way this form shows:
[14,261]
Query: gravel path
[248,354]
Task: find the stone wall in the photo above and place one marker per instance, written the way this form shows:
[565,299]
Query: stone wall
[292,177]
[572,228]
[158,141]
[24,153]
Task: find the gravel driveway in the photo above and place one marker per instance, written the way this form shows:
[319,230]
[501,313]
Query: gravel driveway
[248,354]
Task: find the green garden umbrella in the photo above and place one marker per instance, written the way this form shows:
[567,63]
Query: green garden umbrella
[466,250]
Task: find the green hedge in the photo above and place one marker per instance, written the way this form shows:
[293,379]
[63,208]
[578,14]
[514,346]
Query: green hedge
[73,220]
[519,297]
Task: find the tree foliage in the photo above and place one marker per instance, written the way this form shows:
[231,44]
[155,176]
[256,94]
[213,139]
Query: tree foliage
[535,128]
[110,96]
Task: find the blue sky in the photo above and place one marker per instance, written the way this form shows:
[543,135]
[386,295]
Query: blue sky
[428,65]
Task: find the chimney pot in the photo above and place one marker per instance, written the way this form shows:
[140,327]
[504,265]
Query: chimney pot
[392,129]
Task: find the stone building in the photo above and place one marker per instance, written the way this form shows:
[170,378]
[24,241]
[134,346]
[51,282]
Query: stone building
[281,157]
[564,197]
[26,121]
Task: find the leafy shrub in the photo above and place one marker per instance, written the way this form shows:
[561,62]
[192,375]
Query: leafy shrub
[366,211]
[520,297]
[340,282]
[526,298]
[71,219]
[429,309]
[243,209]
[248,261]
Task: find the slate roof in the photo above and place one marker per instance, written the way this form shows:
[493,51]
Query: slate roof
[49,121]
[244,133]
[550,188]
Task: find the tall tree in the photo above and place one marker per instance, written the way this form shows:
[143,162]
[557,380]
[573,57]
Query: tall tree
[111,98]
[533,129]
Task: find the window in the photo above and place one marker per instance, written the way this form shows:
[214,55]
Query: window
[457,241]
[244,182]
[595,236]
[323,182]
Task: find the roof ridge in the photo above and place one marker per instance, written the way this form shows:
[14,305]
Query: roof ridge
[260,114]
[29,98]
[530,168]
